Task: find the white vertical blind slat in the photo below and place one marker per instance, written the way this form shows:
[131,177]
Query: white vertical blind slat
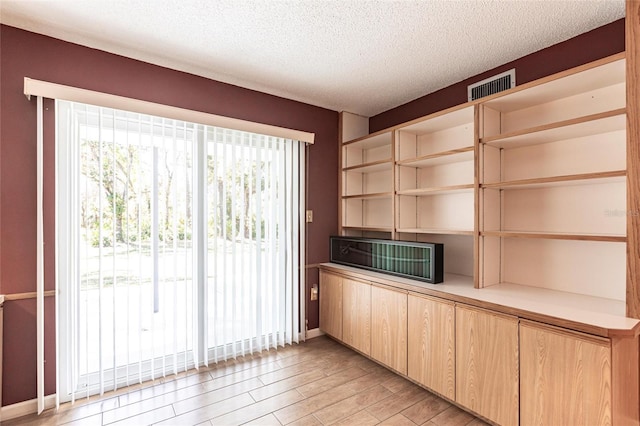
[188,229]
[162,306]
[86,304]
[100,255]
[128,263]
[282,241]
[155,253]
[275,277]
[288,323]
[302,272]
[259,140]
[174,239]
[236,247]
[201,241]
[217,335]
[40,257]
[140,317]
[237,324]
[241,281]
[114,227]
[226,313]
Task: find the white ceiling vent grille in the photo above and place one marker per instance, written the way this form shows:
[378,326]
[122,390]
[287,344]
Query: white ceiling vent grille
[491,85]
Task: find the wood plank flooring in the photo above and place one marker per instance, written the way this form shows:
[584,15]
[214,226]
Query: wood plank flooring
[319,382]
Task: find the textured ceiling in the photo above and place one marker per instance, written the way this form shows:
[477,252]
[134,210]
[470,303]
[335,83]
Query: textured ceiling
[346,55]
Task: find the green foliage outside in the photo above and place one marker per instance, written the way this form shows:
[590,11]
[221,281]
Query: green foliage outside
[117,179]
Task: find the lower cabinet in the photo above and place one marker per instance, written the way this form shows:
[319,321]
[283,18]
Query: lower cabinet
[331,304]
[487,364]
[506,369]
[389,328]
[356,314]
[565,377]
[431,351]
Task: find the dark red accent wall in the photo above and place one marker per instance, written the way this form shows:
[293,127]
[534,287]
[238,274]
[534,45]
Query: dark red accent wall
[25,54]
[584,48]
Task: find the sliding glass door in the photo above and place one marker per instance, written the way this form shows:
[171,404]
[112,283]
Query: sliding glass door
[177,244]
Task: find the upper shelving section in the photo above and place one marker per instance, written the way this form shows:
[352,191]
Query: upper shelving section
[435,181]
[367,185]
[570,128]
[434,138]
[592,89]
[527,187]
[376,148]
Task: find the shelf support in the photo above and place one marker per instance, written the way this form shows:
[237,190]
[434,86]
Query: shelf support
[632,43]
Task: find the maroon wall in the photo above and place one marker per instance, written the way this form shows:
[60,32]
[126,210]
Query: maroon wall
[598,43]
[25,54]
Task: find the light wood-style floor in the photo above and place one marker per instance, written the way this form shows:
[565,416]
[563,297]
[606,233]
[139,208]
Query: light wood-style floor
[319,382]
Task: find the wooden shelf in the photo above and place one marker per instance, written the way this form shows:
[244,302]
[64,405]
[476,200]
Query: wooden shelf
[373,140]
[568,129]
[368,196]
[374,166]
[579,179]
[555,236]
[439,121]
[438,190]
[445,157]
[369,228]
[435,231]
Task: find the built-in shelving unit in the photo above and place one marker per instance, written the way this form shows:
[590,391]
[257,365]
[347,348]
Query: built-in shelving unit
[552,184]
[534,194]
[526,187]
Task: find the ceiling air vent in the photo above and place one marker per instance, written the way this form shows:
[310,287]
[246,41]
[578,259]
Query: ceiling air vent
[491,85]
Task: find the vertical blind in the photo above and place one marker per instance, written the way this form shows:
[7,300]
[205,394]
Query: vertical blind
[254,207]
[177,244]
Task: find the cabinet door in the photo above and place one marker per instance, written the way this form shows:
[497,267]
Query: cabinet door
[487,364]
[389,328]
[431,336]
[565,378]
[356,315]
[331,304]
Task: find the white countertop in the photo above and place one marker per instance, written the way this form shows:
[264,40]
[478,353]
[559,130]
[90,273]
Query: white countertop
[523,301]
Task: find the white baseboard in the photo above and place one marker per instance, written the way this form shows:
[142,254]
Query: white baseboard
[316,332]
[25,407]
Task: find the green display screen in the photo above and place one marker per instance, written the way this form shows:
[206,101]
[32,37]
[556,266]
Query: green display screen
[421,261]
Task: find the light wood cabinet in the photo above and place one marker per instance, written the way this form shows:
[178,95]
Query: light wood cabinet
[331,304]
[356,314]
[389,328]
[565,377]
[487,364]
[509,369]
[431,350]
